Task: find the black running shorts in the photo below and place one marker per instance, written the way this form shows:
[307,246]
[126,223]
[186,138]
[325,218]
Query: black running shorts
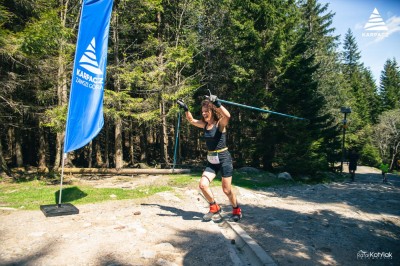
[225,165]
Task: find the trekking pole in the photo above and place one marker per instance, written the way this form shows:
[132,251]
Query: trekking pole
[253,108]
[176,139]
[260,110]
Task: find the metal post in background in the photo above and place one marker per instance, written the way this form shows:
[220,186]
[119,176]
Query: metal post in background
[345,111]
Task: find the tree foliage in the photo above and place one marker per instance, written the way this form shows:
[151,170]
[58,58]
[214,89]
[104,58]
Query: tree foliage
[390,85]
[387,136]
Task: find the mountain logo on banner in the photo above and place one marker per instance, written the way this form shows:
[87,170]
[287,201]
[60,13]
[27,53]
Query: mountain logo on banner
[89,61]
[375,22]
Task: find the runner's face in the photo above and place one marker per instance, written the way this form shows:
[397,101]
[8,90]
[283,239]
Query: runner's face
[206,113]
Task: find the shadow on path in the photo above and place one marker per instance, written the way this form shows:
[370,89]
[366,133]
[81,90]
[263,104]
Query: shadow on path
[186,215]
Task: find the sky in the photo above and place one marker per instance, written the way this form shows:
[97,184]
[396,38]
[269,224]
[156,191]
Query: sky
[376,46]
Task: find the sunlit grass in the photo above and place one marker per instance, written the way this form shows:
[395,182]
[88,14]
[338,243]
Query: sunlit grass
[241,179]
[30,195]
[184,180]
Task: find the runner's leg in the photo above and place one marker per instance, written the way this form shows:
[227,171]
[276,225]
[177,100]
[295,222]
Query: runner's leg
[204,185]
[227,188]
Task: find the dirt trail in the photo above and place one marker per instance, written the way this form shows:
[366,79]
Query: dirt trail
[328,224]
[331,224]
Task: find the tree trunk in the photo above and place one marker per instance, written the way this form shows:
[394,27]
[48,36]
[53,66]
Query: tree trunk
[10,143]
[118,144]
[164,133]
[395,153]
[117,85]
[107,148]
[3,163]
[42,150]
[143,143]
[57,160]
[62,89]
[89,154]
[131,144]
[19,159]
[99,158]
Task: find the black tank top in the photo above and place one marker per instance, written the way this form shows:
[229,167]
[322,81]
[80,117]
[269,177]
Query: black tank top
[215,140]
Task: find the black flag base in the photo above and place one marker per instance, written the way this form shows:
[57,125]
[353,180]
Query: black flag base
[59,209]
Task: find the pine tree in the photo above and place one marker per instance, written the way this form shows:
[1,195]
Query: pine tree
[351,55]
[317,22]
[353,73]
[390,85]
[363,99]
[40,40]
[153,63]
[297,93]
[373,105]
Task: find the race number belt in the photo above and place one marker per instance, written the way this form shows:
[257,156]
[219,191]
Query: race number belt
[218,151]
[212,156]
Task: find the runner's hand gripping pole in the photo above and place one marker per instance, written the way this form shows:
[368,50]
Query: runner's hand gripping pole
[182,105]
[214,99]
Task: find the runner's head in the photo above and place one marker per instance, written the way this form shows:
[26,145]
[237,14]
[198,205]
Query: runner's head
[208,112]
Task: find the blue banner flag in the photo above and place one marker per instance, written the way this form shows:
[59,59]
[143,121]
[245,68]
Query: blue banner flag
[85,111]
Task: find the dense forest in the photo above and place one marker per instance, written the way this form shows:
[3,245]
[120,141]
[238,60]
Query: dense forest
[278,55]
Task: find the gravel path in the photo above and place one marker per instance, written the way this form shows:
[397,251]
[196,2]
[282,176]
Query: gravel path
[326,224]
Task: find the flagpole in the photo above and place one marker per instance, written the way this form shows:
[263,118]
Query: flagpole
[64,157]
[59,209]
[85,110]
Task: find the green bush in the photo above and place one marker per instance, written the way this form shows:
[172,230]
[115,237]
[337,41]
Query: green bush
[369,155]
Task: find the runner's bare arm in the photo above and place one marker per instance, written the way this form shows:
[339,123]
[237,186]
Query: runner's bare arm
[225,116]
[194,122]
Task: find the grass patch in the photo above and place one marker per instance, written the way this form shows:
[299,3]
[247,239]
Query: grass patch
[241,179]
[184,180]
[258,180]
[30,195]
[263,179]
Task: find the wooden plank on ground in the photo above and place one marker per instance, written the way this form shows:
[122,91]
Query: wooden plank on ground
[124,171]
